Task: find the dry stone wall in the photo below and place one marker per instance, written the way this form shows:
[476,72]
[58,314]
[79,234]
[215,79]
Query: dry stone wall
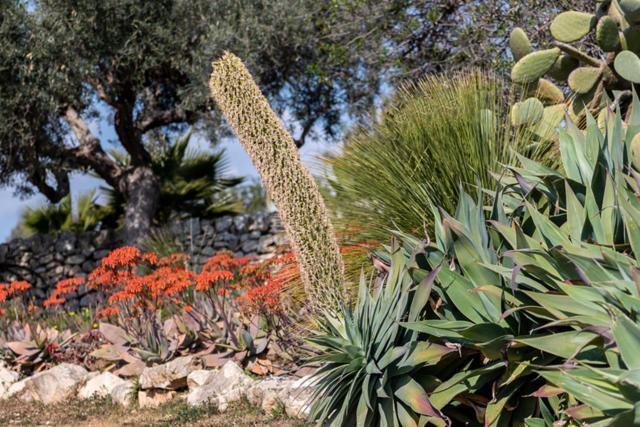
[43,260]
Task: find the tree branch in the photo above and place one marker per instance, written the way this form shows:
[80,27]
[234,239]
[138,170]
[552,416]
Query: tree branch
[89,153]
[158,118]
[38,177]
[130,137]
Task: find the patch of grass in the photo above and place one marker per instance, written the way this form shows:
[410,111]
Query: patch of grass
[181,413]
[102,413]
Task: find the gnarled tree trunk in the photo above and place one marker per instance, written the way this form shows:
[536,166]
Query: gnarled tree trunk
[142,194]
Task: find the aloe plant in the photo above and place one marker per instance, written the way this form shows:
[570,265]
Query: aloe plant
[31,349]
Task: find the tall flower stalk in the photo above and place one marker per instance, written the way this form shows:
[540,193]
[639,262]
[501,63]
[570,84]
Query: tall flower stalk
[292,188]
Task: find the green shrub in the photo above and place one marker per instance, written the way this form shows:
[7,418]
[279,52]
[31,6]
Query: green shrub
[540,302]
[435,136]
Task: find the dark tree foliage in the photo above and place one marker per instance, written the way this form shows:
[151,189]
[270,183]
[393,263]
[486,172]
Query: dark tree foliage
[410,38]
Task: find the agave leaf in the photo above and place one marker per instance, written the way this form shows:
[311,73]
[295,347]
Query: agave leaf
[462,382]
[562,344]
[405,417]
[425,353]
[627,336]
[471,304]
[422,293]
[413,395]
[590,394]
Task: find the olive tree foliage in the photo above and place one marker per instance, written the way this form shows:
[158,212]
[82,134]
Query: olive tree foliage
[63,63]
[411,38]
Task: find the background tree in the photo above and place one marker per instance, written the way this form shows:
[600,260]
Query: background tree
[410,38]
[143,66]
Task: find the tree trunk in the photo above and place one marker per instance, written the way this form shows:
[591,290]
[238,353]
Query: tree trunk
[142,194]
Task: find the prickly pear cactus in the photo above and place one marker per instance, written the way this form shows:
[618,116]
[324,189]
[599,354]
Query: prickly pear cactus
[588,81]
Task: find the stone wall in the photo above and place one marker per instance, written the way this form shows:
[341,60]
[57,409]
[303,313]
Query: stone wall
[43,260]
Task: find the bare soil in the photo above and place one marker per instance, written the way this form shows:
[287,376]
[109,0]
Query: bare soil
[102,413]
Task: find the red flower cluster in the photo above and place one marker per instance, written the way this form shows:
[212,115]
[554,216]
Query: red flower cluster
[134,280]
[63,287]
[11,290]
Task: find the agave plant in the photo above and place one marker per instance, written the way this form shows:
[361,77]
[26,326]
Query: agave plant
[370,372]
[540,301]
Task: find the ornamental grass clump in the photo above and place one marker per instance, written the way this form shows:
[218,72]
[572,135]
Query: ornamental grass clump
[292,188]
[435,137]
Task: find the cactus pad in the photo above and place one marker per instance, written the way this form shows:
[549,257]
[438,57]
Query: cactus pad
[607,34]
[528,112]
[534,65]
[583,79]
[563,67]
[631,10]
[519,43]
[631,39]
[551,119]
[548,93]
[627,64]
[634,151]
[572,26]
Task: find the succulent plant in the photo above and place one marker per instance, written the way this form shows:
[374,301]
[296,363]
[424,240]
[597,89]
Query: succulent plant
[537,295]
[30,349]
[594,82]
[370,366]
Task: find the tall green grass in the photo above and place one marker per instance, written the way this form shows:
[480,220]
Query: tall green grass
[435,137]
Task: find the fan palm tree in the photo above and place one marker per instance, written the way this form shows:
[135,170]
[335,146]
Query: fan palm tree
[51,218]
[194,183]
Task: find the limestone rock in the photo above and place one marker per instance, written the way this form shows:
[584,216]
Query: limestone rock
[7,377]
[199,378]
[229,382]
[271,403]
[121,394]
[170,376]
[100,386]
[51,386]
[154,398]
[296,397]
[203,396]
[258,391]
